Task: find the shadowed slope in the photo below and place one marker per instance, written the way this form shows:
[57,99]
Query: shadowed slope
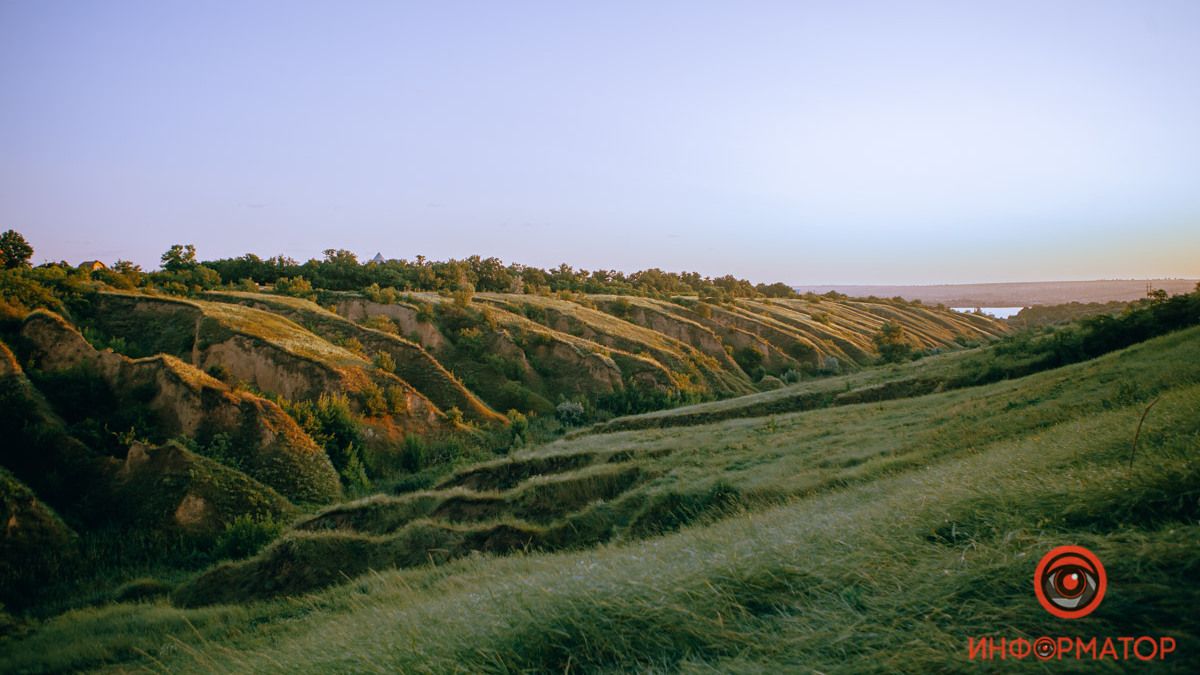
[266,443]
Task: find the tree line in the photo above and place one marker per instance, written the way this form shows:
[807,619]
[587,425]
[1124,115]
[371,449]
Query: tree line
[340,270]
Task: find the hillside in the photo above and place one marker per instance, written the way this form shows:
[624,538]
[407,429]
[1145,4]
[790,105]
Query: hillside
[229,455]
[172,430]
[629,354]
[751,543]
[261,348]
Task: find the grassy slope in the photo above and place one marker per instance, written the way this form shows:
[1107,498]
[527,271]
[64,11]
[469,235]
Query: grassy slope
[909,526]
[134,315]
[805,395]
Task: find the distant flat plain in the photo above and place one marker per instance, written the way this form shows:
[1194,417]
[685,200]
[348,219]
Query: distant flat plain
[1014,294]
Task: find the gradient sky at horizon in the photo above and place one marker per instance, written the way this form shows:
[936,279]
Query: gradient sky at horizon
[839,142]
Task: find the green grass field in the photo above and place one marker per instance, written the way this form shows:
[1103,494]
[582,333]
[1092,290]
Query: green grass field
[864,537]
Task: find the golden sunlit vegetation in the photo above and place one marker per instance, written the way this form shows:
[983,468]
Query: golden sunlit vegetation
[530,470]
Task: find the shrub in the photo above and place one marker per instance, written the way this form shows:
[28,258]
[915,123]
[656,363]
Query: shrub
[397,399]
[330,422]
[380,322]
[471,340]
[298,287]
[247,535]
[412,453]
[385,362]
[425,312]
[221,448]
[373,400]
[518,424]
[801,351]
[749,360]
[570,413]
[216,370]
[354,345]
[620,308]
[892,344]
[354,474]
[462,295]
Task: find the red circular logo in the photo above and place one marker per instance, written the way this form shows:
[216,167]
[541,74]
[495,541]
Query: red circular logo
[1070,582]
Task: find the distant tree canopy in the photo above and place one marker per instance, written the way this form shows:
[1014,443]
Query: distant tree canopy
[340,270]
[179,257]
[14,250]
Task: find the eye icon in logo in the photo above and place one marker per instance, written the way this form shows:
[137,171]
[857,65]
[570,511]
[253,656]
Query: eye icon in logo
[1070,582]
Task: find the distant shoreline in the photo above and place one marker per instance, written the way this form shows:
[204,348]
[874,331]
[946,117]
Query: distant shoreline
[1012,294]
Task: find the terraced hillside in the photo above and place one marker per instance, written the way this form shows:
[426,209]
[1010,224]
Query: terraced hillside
[630,354]
[412,363]
[264,349]
[868,537]
[513,362]
[811,334]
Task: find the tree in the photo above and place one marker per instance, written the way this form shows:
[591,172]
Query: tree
[892,344]
[126,267]
[776,290]
[14,250]
[179,257]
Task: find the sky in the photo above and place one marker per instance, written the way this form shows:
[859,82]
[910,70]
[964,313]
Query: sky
[804,142]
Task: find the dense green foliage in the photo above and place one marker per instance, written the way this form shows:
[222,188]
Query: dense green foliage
[714,532]
[331,423]
[1049,315]
[14,250]
[1032,351]
[866,538]
[340,270]
[95,413]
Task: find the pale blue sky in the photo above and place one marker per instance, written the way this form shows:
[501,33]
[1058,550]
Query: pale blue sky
[835,142]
